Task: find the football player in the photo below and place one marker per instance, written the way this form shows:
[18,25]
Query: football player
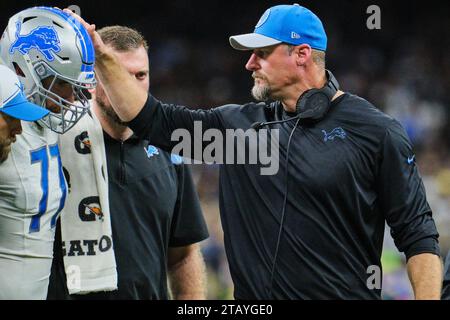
[54,58]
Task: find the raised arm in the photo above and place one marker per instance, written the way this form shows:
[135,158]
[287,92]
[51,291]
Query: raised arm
[126,98]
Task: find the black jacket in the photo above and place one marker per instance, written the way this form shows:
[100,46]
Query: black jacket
[348,175]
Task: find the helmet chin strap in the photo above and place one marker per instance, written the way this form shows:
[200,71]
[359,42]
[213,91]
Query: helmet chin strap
[56,123]
[53,123]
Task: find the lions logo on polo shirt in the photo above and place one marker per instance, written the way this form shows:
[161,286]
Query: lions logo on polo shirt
[151,151]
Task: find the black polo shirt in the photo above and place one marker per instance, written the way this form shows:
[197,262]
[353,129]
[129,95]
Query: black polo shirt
[348,175]
[153,206]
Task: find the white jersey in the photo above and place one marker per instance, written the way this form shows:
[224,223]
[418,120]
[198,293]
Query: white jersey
[32,194]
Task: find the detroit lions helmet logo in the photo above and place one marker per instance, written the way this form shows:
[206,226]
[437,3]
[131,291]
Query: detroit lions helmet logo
[44,39]
[336,132]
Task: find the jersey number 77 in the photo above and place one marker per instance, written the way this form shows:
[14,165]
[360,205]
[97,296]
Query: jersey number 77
[41,157]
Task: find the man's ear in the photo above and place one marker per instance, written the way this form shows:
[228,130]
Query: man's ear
[302,54]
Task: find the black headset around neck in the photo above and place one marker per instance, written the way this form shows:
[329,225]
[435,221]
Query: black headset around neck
[314,104]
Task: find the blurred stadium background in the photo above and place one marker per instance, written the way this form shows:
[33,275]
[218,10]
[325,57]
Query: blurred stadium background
[403,69]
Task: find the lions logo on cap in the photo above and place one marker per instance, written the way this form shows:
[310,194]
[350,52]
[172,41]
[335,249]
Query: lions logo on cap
[263,18]
[44,39]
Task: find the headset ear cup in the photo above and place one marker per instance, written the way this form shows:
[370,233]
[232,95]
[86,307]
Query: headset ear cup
[313,105]
[303,101]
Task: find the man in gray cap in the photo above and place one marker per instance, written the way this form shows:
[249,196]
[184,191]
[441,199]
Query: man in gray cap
[313,230]
[53,57]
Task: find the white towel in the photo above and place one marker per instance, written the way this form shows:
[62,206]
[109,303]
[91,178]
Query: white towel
[86,233]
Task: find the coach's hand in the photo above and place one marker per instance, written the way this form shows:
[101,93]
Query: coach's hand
[99,45]
[126,98]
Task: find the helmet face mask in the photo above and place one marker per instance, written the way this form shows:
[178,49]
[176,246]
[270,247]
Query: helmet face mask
[48,49]
[65,108]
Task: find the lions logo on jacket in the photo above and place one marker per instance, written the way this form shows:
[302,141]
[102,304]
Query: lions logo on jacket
[336,132]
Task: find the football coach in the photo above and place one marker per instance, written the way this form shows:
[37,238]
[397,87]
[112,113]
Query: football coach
[313,230]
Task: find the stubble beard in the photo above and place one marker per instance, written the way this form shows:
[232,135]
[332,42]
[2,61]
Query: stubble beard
[109,112]
[262,91]
[5,149]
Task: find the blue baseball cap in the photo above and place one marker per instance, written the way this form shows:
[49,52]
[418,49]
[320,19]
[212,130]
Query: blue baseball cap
[291,24]
[13,101]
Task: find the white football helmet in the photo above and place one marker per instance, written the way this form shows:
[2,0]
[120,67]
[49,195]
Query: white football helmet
[44,42]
